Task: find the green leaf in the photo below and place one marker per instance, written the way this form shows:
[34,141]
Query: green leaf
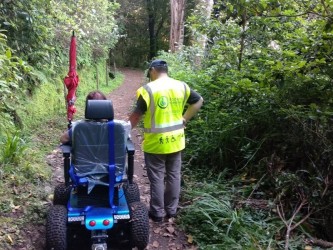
[301,64]
[9,53]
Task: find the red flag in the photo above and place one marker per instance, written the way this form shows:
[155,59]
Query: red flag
[71,80]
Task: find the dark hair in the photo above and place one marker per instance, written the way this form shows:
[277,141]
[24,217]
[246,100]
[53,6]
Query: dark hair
[161,69]
[96,95]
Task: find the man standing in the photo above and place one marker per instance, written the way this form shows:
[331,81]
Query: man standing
[162,102]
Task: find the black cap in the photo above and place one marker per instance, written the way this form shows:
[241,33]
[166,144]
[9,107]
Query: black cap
[157,64]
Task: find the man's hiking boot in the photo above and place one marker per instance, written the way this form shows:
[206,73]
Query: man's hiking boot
[171,216]
[155,218]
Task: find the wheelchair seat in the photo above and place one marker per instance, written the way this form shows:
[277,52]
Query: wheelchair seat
[98,147]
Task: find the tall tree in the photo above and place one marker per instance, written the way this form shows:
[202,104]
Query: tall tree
[157,17]
[131,49]
[177,24]
[144,29]
[151,28]
[200,17]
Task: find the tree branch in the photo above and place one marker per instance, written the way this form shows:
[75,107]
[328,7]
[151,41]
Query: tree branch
[319,242]
[325,7]
[289,224]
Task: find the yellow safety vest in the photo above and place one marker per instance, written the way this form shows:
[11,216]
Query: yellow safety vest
[163,122]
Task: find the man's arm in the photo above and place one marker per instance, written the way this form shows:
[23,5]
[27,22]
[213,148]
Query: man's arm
[134,119]
[64,137]
[192,110]
[140,109]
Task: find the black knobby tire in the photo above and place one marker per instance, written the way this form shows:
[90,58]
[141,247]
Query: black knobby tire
[139,225]
[132,193]
[56,228]
[61,194]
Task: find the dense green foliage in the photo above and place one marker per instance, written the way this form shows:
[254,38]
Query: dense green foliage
[94,24]
[13,71]
[40,30]
[267,85]
[34,43]
[34,46]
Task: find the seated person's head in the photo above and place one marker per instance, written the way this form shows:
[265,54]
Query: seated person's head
[93,95]
[96,95]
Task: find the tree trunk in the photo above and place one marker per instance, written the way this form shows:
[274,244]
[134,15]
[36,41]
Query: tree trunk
[151,28]
[242,40]
[177,24]
[206,6]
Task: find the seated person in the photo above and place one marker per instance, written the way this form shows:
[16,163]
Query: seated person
[94,95]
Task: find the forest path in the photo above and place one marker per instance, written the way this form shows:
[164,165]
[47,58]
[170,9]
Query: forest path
[165,235]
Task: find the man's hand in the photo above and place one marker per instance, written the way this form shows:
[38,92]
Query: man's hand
[64,138]
[184,122]
[192,110]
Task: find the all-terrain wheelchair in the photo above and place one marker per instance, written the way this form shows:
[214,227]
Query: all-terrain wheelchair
[99,203]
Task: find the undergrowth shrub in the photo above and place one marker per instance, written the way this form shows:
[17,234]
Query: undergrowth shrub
[231,213]
[46,101]
[13,73]
[215,219]
[12,149]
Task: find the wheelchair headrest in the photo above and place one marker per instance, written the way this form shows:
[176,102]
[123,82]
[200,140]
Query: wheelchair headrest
[99,109]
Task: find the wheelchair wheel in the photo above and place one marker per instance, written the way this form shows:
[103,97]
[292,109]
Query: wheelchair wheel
[139,230]
[56,228]
[132,192]
[61,194]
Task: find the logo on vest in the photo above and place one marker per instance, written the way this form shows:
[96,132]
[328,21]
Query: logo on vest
[162,102]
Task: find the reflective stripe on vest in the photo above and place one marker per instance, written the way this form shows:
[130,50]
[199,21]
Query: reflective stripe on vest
[162,128]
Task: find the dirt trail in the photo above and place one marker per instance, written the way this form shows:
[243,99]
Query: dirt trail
[163,236]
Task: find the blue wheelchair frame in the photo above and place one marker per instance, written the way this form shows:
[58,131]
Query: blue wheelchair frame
[96,218]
